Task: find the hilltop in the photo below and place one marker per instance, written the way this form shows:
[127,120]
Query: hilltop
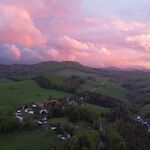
[45,67]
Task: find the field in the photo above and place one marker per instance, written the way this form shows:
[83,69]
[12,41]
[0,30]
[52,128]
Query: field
[5,80]
[106,87]
[98,84]
[27,140]
[15,93]
[145,110]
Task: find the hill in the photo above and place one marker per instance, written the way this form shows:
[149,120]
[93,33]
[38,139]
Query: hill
[45,68]
[132,86]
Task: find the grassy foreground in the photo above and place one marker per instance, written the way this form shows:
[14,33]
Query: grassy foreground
[27,140]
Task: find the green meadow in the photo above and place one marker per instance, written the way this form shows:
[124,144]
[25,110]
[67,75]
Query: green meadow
[106,87]
[14,93]
[145,110]
[30,140]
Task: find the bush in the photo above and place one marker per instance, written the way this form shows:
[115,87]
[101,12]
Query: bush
[8,123]
[83,140]
[77,113]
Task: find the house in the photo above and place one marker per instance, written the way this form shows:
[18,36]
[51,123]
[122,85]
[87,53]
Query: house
[64,136]
[39,122]
[143,121]
[26,110]
[31,112]
[19,118]
[43,111]
[18,113]
[34,105]
[81,98]
[138,117]
[55,126]
[72,102]
[44,120]
[54,101]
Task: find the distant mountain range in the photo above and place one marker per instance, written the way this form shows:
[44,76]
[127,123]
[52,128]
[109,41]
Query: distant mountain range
[54,67]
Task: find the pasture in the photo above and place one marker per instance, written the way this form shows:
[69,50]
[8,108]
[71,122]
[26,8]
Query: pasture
[106,87]
[30,140]
[15,93]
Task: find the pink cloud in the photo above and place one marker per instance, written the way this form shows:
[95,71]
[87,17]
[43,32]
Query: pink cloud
[15,52]
[124,26]
[57,29]
[68,42]
[116,24]
[17,27]
[32,55]
[142,40]
[72,49]
[94,28]
[95,55]
[11,51]
[45,8]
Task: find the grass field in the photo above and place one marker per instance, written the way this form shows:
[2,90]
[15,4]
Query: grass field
[27,140]
[104,86]
[15,93]
[145,110]
[33,140]
[5,80]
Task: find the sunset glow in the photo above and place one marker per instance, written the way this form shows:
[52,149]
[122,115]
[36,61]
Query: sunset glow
[97,33]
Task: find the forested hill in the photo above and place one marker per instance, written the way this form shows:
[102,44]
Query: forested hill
[45,67]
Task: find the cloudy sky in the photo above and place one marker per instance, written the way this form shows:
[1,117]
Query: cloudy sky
[98,33]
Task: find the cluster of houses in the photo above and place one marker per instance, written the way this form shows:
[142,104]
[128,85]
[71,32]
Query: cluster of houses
[40,112]
[63,135]
[144,121]
[74,100]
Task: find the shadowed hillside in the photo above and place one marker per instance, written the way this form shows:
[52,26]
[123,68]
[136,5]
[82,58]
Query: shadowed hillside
[45,67]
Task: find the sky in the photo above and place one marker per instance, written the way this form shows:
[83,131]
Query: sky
[97,33]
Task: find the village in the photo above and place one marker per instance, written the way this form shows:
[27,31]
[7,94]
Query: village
[40,114]
[144,121]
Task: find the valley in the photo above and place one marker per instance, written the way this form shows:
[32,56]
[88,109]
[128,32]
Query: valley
[99,103]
